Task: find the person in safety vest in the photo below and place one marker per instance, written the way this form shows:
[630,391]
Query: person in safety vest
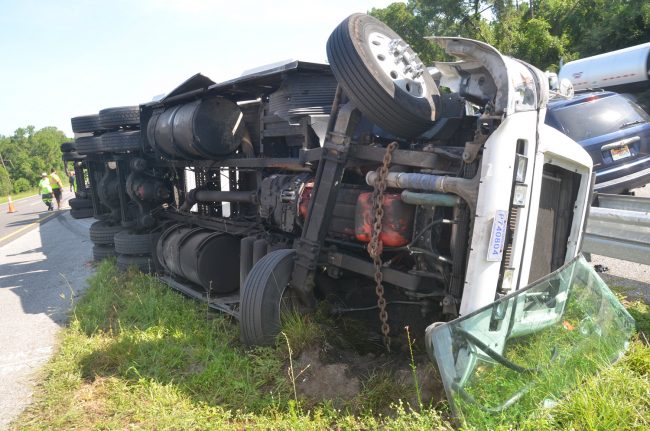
[46,191]
[57,187]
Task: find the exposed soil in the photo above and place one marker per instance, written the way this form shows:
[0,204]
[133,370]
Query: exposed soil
[325,374]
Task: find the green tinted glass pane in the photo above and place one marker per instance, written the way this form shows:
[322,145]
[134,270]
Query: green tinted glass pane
[526,350]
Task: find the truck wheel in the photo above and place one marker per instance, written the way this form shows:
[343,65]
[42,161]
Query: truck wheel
[142,263]
[264,296]
[102,252]
[88,144]
[122,116]
[72,156]
[85,123]
[115,142]
[383,76]
[66,147]
[133,243]
[79,203]
[102,233]
[81,213]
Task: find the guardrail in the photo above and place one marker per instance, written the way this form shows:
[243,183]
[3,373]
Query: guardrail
[619,227]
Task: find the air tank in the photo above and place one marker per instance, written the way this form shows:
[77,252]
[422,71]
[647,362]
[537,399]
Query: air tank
[202,129]
[206,258]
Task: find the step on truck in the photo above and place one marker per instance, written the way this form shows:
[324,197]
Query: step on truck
[401,193]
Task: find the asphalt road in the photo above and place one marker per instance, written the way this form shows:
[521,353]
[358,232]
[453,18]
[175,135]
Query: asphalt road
[42,270]
[29,213]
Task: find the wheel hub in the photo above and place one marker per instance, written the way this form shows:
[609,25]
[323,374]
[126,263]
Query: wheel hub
[395,58]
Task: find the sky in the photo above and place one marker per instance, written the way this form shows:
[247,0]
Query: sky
[61,59]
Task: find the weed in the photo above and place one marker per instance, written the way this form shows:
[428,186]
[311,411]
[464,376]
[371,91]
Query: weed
[302,330]
[290,371]
[380,391]
[414,369]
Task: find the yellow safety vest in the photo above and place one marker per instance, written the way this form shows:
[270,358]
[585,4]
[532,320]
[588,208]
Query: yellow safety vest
[44,186]
[56,181]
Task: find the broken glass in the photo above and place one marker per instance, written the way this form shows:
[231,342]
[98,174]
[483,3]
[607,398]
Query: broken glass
[526,350]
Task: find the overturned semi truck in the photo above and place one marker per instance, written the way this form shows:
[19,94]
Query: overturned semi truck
[396,192]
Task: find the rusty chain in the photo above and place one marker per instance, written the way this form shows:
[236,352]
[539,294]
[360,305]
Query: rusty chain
[375,245]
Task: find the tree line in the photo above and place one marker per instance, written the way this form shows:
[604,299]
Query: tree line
[540,32]
[28,153]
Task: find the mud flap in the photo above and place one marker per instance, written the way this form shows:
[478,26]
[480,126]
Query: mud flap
[523,352]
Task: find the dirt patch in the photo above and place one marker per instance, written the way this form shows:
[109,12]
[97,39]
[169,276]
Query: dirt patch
[343,377]
[316,381]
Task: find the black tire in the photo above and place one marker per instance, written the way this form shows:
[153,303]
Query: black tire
[143,263]
[72,156]
[81,213]
[395,100]
[85,123]
[66,147]
[262,296]
[78,203]
[133,243]
[88,144]
[122,141]
[103,233]
[122,116]
[102,252]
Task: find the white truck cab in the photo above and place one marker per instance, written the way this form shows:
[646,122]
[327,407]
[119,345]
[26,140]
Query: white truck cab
[534,182]
[534,316]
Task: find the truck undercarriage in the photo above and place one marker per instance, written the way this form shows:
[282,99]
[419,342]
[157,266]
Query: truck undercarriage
[379,185]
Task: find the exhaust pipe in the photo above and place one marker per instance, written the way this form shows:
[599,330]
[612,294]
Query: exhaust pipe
[199,196]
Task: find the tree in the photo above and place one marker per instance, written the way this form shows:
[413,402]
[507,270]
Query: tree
[5,182]
[29,152]
[21,185]
[596,26]
[543,34]
[537,45]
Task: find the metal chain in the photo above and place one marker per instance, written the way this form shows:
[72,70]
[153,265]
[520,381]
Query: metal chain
[375,246]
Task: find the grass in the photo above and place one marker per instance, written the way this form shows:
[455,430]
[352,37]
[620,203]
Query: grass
[16,196]
[137,355]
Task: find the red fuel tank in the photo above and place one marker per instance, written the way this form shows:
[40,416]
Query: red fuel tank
[397,224]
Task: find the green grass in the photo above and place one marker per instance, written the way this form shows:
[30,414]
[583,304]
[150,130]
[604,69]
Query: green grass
[302,331]
[16,196]
[137,355]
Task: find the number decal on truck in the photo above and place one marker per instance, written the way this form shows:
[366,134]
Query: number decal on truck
[498,236]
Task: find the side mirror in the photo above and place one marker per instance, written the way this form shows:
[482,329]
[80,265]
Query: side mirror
[566,88]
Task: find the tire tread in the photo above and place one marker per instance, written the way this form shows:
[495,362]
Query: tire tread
[122,116]
[255,330]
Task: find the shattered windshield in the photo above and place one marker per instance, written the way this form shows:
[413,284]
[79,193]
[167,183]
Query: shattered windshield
[525,351]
